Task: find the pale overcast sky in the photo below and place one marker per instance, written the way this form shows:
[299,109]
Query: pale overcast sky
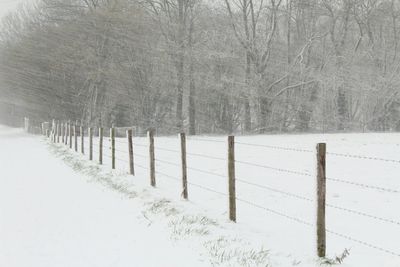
[7,5]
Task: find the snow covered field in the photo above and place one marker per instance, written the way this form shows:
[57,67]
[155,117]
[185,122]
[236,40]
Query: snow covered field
[51,216]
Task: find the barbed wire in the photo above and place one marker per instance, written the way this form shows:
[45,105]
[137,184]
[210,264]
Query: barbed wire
[301,221]
[118,150]
[359,213]
[284,215]
[141,145]
[205,156]
[123,160]
[275,147]
[191,168]
[363,243]
[274,168]
[166,149]
[141,166]
[362,185]
[139,155]
[364,214]
[275,190]
[192,184]
[189,153]
[366,186]
[120,141]
[205,140]
[362,157]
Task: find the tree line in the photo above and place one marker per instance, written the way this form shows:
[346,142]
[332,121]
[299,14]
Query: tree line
[226,66]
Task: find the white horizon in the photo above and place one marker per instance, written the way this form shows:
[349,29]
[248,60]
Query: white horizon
[7,6]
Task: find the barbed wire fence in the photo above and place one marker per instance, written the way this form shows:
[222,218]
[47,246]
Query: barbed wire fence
[67,133]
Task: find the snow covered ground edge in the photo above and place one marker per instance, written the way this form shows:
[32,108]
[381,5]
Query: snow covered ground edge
[222,242]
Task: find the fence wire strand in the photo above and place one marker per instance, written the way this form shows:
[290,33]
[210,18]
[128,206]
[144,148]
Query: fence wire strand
[301,221]
[362,157]
[279,213]
[276,147]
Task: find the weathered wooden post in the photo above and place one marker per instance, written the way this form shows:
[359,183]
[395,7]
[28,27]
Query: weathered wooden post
[321,196]
[112,136]
[90,143]
[152,158]
[101,137]
[231,180]
[130,149]
[184,166]
[82,140]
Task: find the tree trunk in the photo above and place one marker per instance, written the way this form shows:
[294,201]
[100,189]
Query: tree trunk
[264,113]
[247,109]
[342,108]
[179,97]
[192,86]
[180,67]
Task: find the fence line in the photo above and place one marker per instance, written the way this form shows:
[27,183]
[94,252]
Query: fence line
[273,168]
[276,147]
[366,186]
[362,157]
[301,221]
[188,153]
[61,129]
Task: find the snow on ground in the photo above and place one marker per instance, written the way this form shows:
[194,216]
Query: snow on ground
[55,217]
[50,216]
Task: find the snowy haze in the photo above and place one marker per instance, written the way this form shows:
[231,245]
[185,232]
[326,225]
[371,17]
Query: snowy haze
[7,6]
[277,76]
[60,209]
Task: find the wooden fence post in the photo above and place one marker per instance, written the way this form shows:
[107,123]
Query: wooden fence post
[231,180]
[130,148]
[82,140]
[321,195]
[112,136]
[90,143]
[152,158]
[101,135]
[184,166]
